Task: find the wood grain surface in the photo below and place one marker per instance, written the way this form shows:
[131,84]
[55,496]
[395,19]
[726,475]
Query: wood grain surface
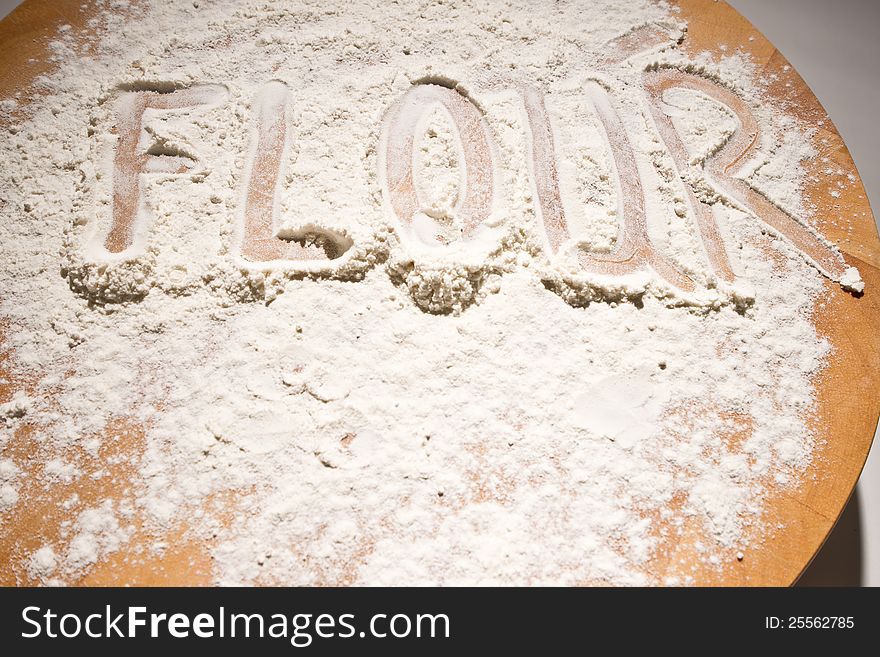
[848,404]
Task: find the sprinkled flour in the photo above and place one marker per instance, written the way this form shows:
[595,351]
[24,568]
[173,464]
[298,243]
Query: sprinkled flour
[410,376]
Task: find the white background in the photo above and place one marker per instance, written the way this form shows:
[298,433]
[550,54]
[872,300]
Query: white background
[834,46]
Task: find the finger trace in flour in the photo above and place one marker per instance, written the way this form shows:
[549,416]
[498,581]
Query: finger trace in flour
[312,248]
[725,162]
[425,200]
[131,159]
[260,243]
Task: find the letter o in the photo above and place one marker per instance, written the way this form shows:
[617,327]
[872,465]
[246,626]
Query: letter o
[400,125]
[64,619]
[394,621]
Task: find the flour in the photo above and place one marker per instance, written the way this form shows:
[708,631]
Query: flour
[9,473]
[852,280]
[424,401]
[43,562]
[97,533]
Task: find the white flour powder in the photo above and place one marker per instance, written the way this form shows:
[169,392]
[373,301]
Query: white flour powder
[423,408]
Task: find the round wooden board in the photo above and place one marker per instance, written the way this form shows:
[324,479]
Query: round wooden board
[848,405]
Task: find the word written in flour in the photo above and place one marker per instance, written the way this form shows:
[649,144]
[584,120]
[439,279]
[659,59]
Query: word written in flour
[313,246]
